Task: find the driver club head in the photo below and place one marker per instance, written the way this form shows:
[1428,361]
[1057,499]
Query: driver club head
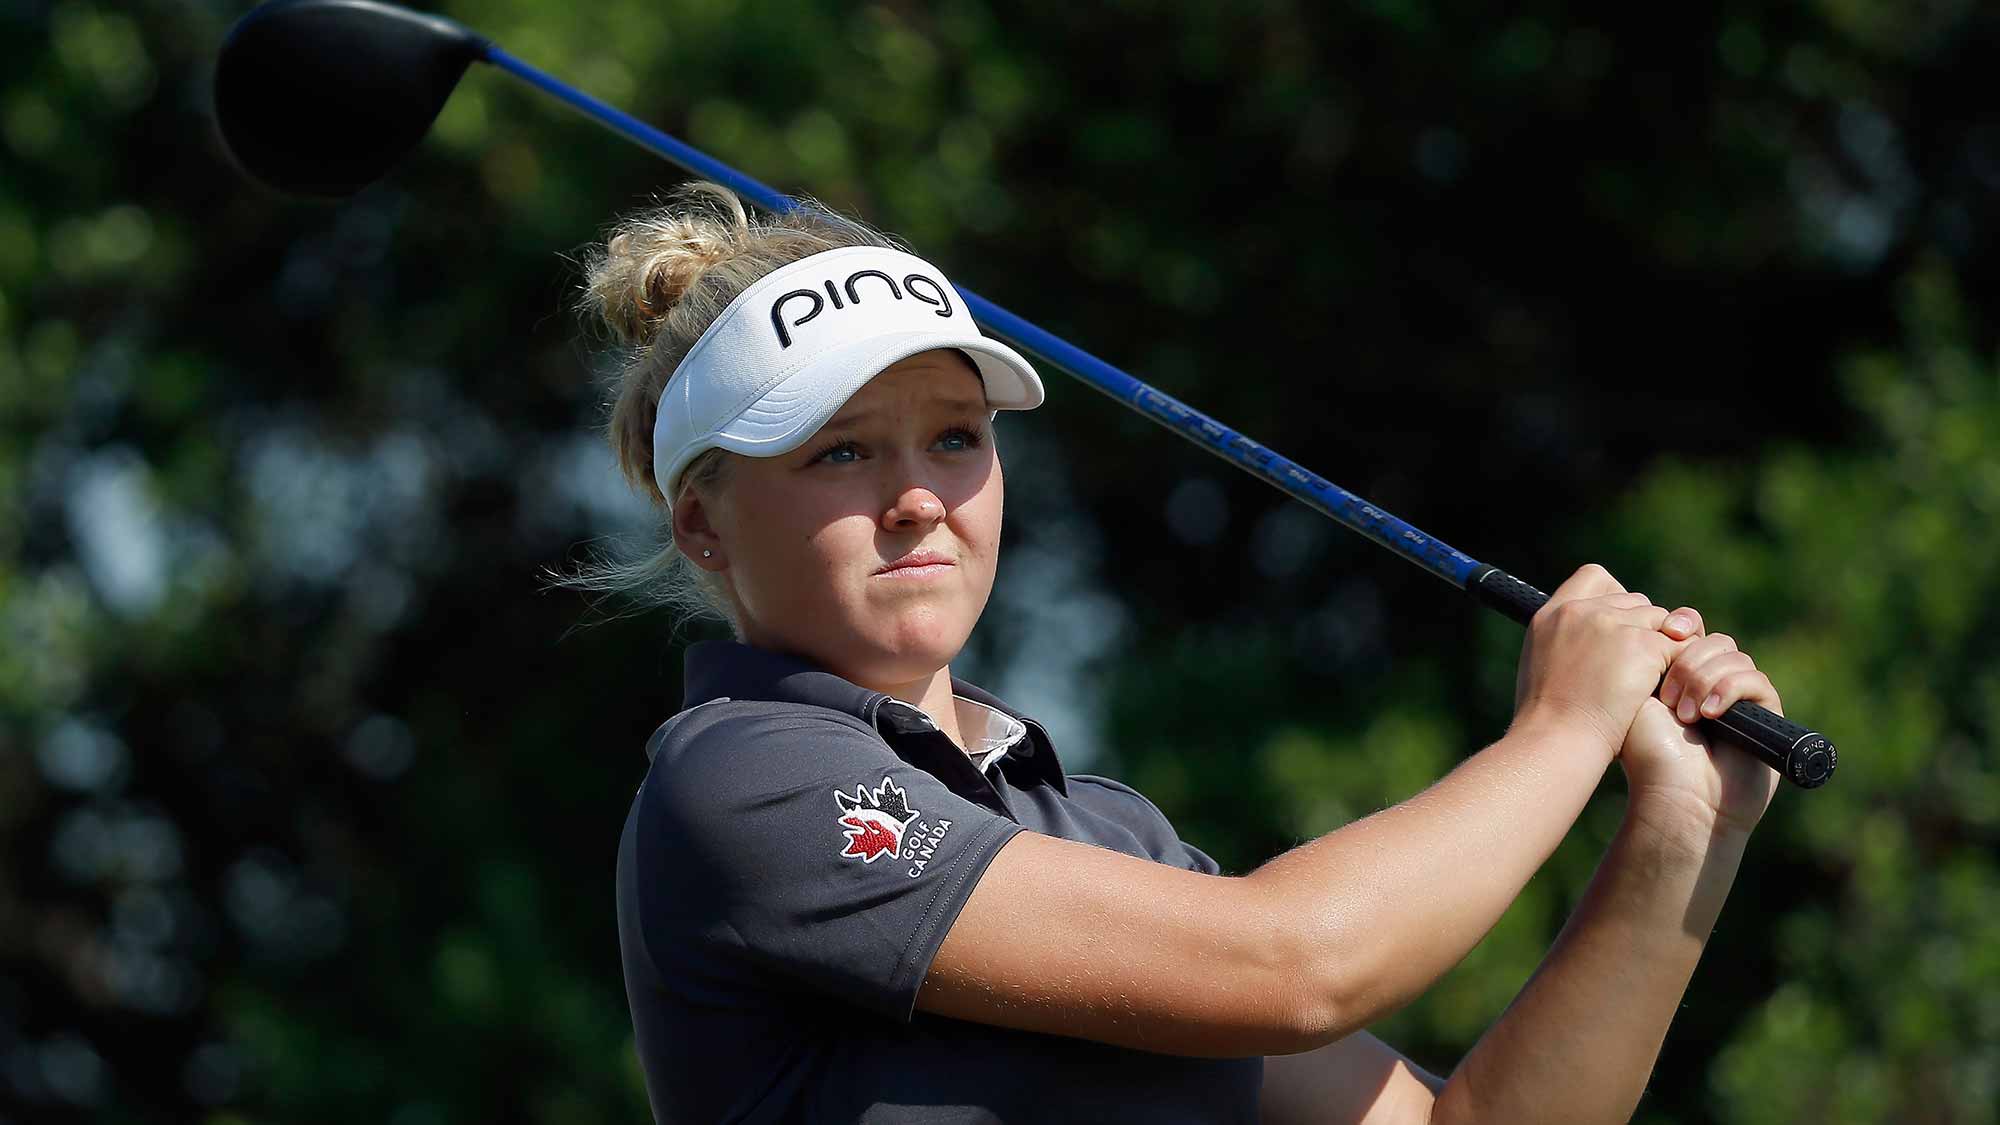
[321,97]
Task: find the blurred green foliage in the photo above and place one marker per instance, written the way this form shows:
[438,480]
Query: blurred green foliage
[309,793]
[1874,583]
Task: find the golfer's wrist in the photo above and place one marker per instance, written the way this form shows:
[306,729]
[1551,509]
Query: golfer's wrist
[1681,824]
[1577,728]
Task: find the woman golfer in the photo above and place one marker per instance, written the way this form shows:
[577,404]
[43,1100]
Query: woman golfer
[852,887]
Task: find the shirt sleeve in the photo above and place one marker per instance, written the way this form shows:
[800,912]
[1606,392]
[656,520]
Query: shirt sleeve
[803,848]
[1154,831]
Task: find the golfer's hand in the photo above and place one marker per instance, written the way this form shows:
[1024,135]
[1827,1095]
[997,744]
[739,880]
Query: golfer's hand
[1592,655]
[1671,766]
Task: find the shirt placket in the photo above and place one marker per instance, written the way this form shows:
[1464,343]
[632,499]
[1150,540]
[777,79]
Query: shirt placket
[916,739]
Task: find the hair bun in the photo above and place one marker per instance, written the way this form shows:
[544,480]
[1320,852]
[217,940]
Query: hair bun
[664,274]
[655,259]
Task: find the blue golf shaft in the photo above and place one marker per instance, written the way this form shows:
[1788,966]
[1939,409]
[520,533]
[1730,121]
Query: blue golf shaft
[1801,755]
[1433,555]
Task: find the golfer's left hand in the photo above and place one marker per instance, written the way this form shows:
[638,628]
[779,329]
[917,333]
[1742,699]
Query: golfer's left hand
[1670,766]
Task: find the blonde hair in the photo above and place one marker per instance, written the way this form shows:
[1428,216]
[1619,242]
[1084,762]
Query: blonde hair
[656,283]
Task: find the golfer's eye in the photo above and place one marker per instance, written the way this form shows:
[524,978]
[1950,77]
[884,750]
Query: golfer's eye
[960,438]
[841,452]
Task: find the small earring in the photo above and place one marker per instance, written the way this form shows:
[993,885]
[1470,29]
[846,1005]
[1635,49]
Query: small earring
[705,552]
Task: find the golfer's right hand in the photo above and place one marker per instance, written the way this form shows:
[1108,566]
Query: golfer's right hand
[1593,654]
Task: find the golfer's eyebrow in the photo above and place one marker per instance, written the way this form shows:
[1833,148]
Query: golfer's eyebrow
[958,405]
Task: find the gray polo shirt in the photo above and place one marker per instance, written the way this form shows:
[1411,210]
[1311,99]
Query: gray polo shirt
[791,863]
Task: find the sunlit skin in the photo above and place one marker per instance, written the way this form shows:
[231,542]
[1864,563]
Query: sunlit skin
[800,539]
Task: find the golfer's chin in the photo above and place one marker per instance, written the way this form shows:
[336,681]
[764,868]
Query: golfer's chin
[900,645]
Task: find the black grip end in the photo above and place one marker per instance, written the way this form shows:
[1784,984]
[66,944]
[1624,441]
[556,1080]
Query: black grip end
[1811,762]
[1801,756]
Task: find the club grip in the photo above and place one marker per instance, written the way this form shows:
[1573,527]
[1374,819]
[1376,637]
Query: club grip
[1801,756]
[1506,593]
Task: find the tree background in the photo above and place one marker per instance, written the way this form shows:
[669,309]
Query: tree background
[309,789]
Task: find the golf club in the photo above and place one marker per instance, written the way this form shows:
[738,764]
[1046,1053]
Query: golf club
[322,97]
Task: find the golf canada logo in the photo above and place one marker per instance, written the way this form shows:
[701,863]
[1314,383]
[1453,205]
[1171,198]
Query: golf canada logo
[881,823]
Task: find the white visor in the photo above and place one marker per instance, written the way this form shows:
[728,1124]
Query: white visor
[794,347]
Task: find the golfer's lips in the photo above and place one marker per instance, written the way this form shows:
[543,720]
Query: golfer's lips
[923,560]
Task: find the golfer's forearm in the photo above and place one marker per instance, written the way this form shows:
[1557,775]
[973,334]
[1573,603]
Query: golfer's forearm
[1579,1042]
[1386,905]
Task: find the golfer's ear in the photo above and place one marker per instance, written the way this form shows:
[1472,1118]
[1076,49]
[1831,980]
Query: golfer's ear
[694,534]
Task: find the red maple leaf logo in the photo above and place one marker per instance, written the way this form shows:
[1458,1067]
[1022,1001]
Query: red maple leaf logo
[874,820]
[868,840]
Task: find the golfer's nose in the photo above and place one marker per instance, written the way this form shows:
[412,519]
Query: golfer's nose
[916,508]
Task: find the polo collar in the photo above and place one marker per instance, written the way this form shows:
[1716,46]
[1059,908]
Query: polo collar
[989,733]
[732,670]
[714,670]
